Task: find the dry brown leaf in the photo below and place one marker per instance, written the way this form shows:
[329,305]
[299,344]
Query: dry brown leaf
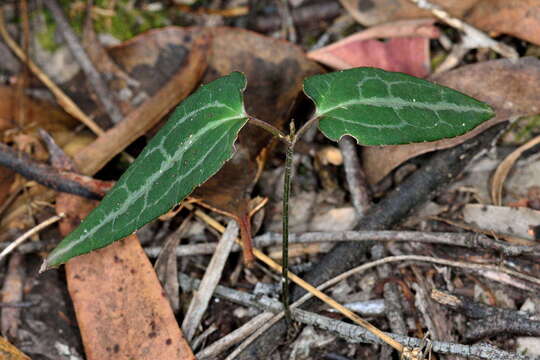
[59,124]
[512,88]
[520,18]
[275,71]
[121,308]
[407,50]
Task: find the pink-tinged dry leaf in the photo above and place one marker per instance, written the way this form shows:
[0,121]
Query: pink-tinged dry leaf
[520,18]
[407,51]
[511,88]
[122,310]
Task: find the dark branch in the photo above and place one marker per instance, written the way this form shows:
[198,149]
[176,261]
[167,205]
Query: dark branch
[489,320]
[47,175]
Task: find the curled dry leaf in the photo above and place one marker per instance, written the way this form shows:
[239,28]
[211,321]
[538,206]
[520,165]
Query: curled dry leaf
[511,88]
[504,168]
[520,18]
[407,50]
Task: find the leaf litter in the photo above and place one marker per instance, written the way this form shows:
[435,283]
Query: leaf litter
[524,100]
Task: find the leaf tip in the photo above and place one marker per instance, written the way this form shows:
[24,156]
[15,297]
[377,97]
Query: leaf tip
[241,77]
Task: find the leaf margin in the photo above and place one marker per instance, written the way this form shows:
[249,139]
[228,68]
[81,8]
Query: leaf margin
[58,256]
[315,92]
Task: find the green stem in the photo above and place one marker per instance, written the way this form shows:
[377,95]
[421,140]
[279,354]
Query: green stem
[290,141]
[285,245]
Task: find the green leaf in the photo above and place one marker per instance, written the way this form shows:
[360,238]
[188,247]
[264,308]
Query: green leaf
[192,146]
[379,107]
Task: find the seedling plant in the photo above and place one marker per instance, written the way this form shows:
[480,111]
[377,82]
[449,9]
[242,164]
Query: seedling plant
[373,106]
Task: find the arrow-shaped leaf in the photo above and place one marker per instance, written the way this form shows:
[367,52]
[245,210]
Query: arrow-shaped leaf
[189,149]
[379,107]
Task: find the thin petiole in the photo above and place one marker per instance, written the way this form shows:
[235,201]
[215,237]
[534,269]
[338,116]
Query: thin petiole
[304,128]
[271,129]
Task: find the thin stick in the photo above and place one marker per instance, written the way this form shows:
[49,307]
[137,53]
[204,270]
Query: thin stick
[69,106]
[101,90]
[44,174]
[200,300]
[484,269]
[467,240]
[350,332]
[29,233]
[218,347]
[355,176]
[504,168]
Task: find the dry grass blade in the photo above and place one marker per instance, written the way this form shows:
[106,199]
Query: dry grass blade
[63,100]
[29,233]
[202,297]
[504,169]
[218,347]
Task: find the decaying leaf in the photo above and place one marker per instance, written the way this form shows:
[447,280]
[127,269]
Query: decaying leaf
[119,302]
[511,88]
[168,64]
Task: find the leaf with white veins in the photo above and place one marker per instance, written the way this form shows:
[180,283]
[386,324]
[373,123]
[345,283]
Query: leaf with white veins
[379,107]
[191,147]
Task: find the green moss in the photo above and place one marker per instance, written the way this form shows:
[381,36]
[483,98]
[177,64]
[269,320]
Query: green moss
[45,38]
[127,22]
[527,128]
